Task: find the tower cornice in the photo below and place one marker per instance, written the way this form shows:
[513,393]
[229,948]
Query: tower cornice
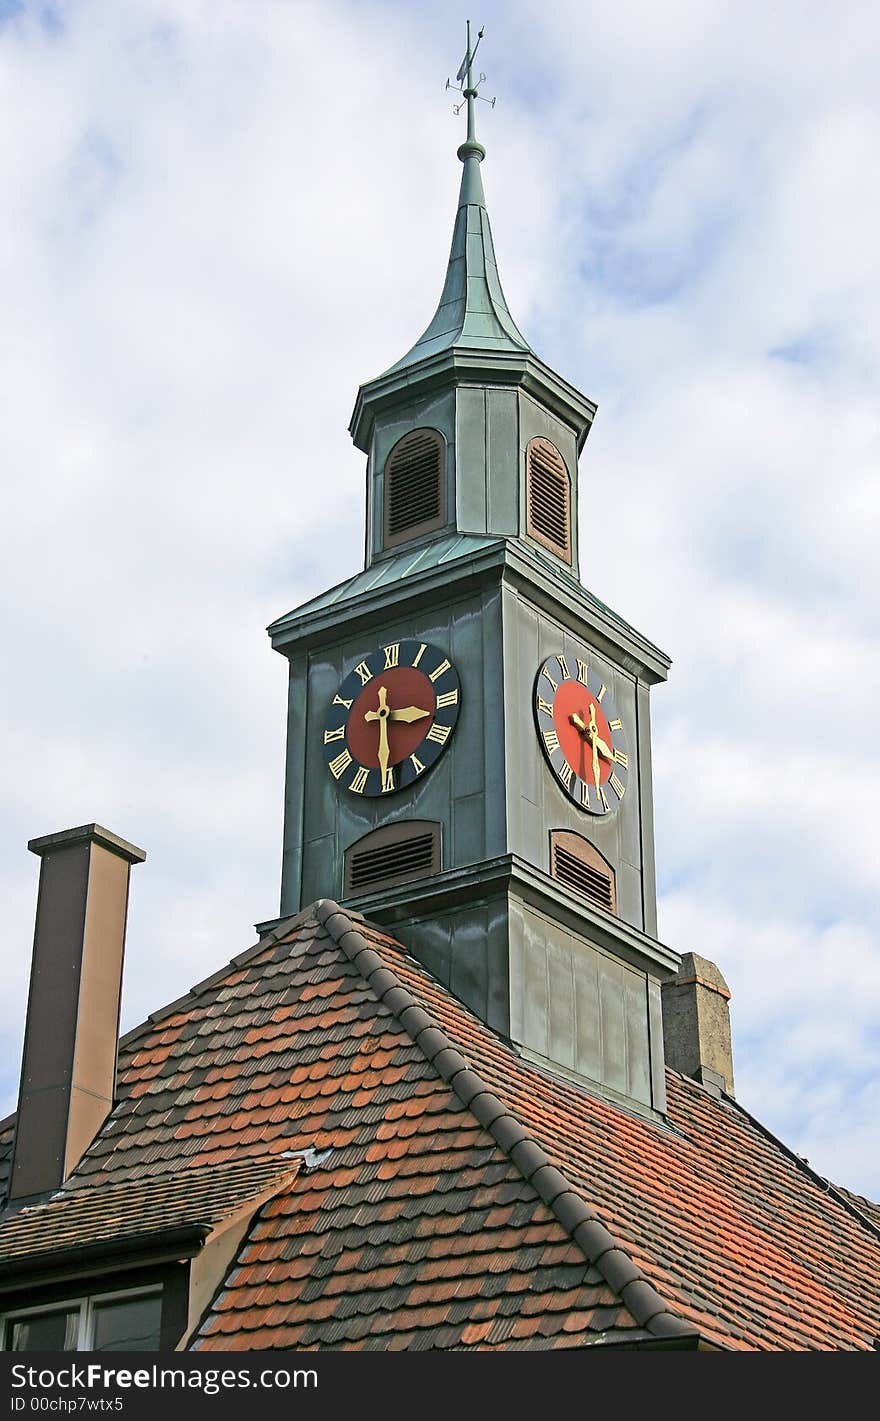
[453,567]
[462,365]
[456,887]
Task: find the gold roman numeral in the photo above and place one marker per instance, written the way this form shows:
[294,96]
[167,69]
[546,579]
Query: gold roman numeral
[563,666]
[416,764]
[438,733]
[449,698]
[621,759]
[388,779]
[544,706]
[364,672]
[392,655]
[618,788]
[582,671]
[440,671]
[359,782]
[420,653]
[554,684]
[565,773]
[338,701]
[616,724]
[334,735]
[340,764]
[605,805]
[602,690]
[551,740]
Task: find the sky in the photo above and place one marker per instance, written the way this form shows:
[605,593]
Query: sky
[218,217]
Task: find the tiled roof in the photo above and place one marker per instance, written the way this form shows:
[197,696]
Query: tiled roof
[868,1207]
[470,1199]
[75,1217]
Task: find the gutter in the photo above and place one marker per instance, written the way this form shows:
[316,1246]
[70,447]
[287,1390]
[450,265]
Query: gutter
[169,1245]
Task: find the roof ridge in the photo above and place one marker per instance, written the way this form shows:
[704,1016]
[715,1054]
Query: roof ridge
[577,1218]
[843,1196]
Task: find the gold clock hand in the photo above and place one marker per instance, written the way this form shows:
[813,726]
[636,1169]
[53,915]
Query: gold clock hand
[381,715]
[383,745]
[591,731]
[596,766]
[409,713]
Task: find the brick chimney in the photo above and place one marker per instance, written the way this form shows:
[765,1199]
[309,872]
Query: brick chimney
[68,1073]
[696,1023]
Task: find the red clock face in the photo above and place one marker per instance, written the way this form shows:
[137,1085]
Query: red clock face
[391,718]
[581,733]
[404,686]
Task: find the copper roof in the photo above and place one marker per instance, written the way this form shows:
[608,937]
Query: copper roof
[470,1199]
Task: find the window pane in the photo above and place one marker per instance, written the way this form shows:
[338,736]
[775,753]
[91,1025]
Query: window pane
[45,1332]
[129,1325]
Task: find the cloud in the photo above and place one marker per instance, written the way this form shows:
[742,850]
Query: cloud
[803,1016]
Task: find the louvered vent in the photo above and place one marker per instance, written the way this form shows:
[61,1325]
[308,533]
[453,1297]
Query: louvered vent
[576,863]
[548,498]
[415,481]
[393,854]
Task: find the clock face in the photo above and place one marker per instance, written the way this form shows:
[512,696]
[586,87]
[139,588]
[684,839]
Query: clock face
[581,733]
[391,718]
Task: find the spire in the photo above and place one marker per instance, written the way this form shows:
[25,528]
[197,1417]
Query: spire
[472,313]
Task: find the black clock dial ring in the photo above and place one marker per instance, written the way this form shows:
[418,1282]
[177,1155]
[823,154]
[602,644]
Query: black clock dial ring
[581,732]
[391,718]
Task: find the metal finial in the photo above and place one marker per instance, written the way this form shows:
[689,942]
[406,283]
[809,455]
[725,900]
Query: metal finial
[464,79]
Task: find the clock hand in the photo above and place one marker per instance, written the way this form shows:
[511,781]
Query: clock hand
[409,713]
[383,745]
[592,733]
[381,715]
[596,741]
[383,712]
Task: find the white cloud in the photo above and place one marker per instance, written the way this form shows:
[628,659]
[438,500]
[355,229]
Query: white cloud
[219,218]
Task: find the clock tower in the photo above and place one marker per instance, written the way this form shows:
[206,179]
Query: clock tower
[468,755]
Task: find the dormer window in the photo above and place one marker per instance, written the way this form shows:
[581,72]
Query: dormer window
[127,1321]
[415,487]
[548,498]
[162,1244]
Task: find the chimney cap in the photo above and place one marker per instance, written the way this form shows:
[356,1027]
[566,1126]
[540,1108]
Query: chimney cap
[87,834]
[700,970]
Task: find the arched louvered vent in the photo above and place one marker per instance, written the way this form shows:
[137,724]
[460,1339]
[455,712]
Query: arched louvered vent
[415,486]
[393,854]
[548,498]
[575,862]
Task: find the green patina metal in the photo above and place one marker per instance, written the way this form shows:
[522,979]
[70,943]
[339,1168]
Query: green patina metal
[475,378]
[419,574]
[472,313]
[572,984]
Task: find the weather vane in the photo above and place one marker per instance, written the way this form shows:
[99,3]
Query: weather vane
[464,79]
